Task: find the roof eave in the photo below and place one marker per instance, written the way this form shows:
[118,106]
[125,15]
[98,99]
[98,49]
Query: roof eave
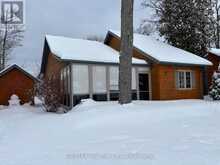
[21,69]
[98,62]
[183,64]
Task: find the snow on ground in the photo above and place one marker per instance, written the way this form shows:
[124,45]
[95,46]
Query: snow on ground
[183,132]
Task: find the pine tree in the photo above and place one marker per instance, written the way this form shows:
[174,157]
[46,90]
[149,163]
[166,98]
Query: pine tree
[215,88]
[186,24]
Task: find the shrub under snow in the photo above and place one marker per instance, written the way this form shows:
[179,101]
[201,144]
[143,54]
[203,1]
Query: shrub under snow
[215,88]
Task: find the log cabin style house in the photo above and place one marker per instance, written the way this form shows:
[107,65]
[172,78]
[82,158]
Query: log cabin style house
[90,69]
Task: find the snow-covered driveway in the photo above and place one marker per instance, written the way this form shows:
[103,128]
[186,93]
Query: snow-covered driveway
[160,133]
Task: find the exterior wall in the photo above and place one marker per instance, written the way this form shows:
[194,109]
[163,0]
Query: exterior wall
[15,82]
[163,78]
[115,44]
[53,71]
[53,67]
[164,83]
[211,69]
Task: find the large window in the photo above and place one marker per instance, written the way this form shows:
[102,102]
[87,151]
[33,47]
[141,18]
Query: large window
[185,79]
[99,79]
[114,76]
[80,79]
[134,84]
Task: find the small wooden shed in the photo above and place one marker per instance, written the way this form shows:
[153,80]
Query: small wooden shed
[16,81]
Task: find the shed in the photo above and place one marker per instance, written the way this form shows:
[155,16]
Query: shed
[15,80]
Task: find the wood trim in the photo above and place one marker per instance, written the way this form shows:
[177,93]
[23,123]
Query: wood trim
[108,82]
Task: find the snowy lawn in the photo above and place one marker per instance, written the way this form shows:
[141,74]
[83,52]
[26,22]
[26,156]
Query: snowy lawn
[159,133]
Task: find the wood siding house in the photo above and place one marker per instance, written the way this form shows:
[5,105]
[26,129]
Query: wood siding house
[15,80]
[89,69]
[171,68]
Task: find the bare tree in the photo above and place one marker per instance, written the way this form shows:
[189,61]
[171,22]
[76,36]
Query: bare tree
[11,36]
[48,90]
[125,68]
[216,23]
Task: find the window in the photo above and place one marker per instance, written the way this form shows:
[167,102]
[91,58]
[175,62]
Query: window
[80,79]
[134,84]
[99,79]
[114,77]
[185,79]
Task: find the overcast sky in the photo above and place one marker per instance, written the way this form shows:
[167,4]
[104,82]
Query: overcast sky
[71,18]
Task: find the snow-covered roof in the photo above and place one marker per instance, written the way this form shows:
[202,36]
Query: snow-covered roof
[215,51]
[12,66]
[84,50]
[163,52]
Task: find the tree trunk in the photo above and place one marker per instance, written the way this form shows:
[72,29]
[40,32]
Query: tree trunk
[4,48]
[125,69]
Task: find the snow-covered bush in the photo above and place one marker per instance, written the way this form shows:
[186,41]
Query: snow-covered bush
[215,88]
[48,90]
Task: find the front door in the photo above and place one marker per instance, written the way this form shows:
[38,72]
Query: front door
[144,86]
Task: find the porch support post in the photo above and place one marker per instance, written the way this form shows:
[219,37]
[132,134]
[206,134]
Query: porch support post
[150,84]
[137,83]
[71,85]
[108,82]
[90,81]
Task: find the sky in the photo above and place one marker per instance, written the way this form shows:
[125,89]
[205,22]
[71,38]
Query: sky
[70,18]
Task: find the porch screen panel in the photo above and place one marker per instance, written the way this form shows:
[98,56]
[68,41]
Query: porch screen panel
[68,80]
[99,79]
[134,84]
[114,78]
[80,79]
[65,80]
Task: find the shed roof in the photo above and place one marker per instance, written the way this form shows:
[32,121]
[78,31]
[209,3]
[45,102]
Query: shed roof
[162,52]
[15,66]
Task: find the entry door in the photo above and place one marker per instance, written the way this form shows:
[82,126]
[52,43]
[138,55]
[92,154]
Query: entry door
[144,86]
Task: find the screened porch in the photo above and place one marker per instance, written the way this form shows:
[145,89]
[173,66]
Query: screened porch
[100,82]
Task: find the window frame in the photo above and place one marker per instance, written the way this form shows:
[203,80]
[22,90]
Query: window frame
[184,79]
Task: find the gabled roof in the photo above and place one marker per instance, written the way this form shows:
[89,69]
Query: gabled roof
[161,52]
[15,66]
[84,50]
[214,51]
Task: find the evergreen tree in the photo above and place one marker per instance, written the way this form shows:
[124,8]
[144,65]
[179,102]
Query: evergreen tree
[215,88]
[186,24]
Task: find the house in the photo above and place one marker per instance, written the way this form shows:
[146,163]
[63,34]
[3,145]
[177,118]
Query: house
[89,69]
[16,81]
[213,56]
